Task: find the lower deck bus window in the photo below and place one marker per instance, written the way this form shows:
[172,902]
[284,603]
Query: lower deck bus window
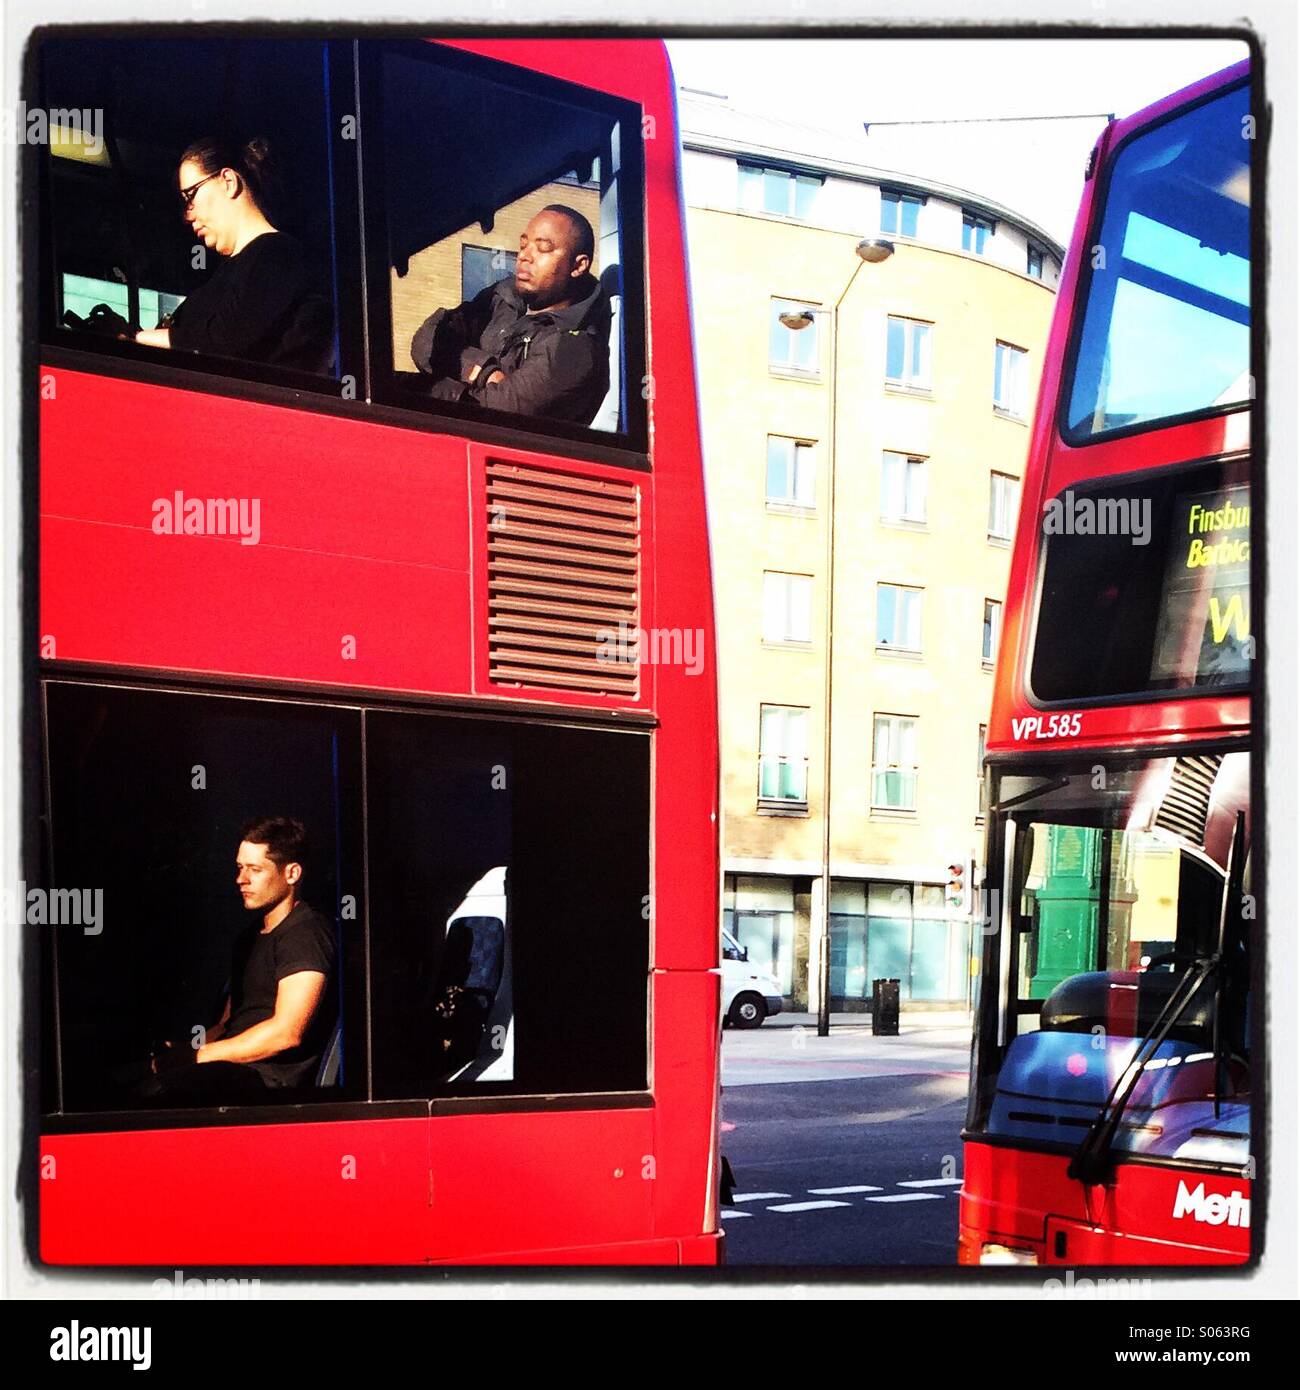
[490,933]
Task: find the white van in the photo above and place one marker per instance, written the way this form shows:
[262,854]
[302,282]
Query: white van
[749,995]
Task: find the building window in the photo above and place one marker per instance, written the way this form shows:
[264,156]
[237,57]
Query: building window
[981,799]
[907,354]
[777,191]
[1035,266]
[893,763]
[902,488]
[481,266]
[898,931]
[783,754]
[992,629]
[975,232]
[1011,380]
[793,349]
[787,607]
[758,912]
[898,618]
[1004,501]
[791,469]
[899,213]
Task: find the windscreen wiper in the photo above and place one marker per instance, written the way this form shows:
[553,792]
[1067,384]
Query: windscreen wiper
[1092,1158]
[1091,1161]
[1231,894]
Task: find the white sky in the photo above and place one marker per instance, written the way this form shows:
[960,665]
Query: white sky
[1035,168]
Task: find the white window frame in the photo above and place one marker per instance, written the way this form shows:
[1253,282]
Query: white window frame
[922,379]
[899,200]
[791,180]
[793,751]
[1011,369]
[896,738]
[973,221]
[801,473]
[981,747]
[811,334]
[993,608]
[911,639]
[787,606]
[1004,505]
[907,467]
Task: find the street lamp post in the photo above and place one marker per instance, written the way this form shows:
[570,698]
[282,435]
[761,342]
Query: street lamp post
[870,252]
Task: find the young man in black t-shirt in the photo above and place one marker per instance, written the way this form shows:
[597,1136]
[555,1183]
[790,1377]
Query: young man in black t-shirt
[279,1015]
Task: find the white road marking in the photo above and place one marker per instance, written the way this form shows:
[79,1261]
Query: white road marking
[932,1182]
[840,1191]
[910,1197]
[731,1215]
[807,1206]
[756,1196]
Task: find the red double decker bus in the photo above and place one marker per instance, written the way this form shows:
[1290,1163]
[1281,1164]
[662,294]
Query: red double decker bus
[466,639]
[1110,1116]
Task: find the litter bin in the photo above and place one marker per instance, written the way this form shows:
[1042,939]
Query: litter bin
[884,1008]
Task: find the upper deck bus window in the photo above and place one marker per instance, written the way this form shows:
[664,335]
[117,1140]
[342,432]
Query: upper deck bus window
[242,267]
[530,186]
[1166,326]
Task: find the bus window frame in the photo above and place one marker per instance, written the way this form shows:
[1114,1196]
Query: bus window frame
[1079,439]
[254,382]
[1245,690]
[452,1099]
[384,388]
[279,383]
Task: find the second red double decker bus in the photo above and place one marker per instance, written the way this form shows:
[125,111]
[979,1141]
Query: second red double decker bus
[1110,1118]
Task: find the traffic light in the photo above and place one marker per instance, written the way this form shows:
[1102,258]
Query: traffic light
[954,893]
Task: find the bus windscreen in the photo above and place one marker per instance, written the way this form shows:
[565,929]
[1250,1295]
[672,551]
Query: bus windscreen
[1166,323]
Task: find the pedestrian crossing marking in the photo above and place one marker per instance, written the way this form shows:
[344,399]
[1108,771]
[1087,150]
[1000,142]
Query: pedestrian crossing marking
[731,1215]
[909,1197]
[931,1182]
[841,1191]
[756,1196]
[807,1206]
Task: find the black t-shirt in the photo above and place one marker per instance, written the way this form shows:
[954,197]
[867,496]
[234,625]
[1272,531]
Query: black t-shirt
[303,941]
[262,305]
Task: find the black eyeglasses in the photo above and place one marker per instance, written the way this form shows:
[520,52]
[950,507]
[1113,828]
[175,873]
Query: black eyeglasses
[187,194]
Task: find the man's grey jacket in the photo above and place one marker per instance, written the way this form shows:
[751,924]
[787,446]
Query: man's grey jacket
[556,362]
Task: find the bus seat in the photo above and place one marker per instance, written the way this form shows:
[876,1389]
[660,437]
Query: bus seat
[331,1062]
[309,337]
[475,951]
[610,414]
[473,959]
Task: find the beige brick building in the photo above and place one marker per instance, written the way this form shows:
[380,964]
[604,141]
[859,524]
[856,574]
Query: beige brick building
[938,351]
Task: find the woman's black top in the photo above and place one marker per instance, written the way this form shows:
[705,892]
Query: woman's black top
[262,305]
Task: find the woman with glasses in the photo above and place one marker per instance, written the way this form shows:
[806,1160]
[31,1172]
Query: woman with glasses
[261,303]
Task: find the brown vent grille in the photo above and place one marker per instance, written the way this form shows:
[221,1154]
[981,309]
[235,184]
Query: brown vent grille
[564,580]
